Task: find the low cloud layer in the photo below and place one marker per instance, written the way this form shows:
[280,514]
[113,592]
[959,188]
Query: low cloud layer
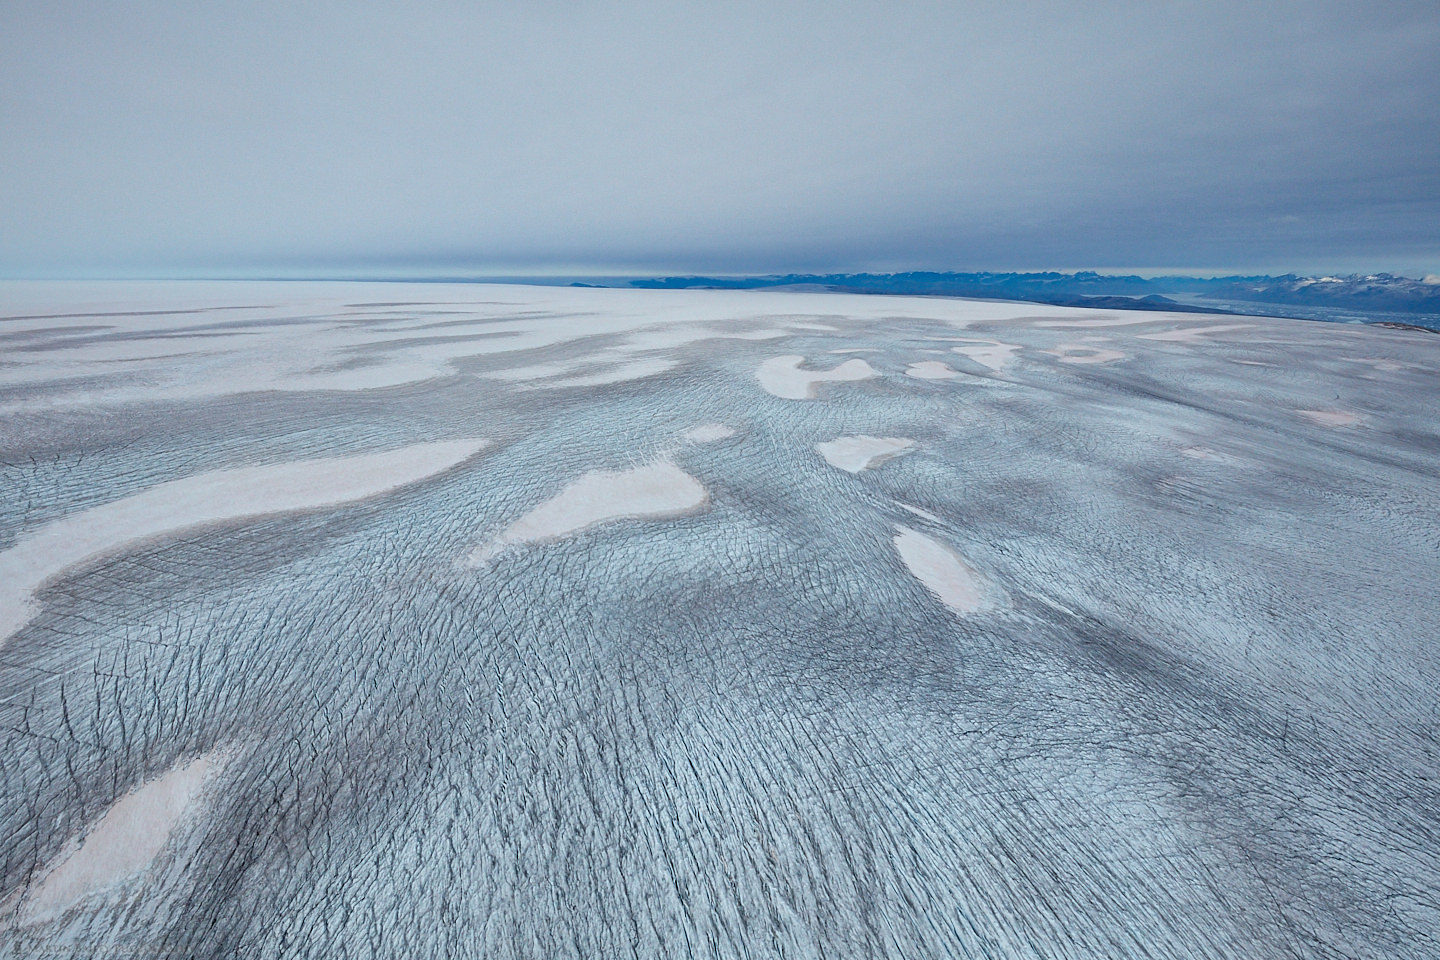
[446,137]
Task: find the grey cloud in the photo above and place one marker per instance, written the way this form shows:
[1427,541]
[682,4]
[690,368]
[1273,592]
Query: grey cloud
[247,136]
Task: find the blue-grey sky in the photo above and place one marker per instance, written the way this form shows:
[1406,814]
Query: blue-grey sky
[243,137]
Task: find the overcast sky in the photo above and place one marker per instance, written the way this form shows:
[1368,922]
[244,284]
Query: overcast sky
[236,137]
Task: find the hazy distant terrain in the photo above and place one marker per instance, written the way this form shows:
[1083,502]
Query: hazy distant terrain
[457,620]
[1374,298]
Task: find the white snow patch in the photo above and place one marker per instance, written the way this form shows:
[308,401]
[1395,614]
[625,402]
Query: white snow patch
[680,336]
[126,839]
[1194,334]
[318,335]
[1210,454]
[930,370]
[709,433]
[923,514]
[941,570]
[1085,353]
[1331,418]
[207,498]
[556,376]
[1380,363]
[539,371]
[854,454]
[782,376]
[1091,322]
[620,373]
[991,354]
[655,490]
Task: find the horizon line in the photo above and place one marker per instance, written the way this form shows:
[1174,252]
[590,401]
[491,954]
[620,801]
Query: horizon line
[592,274]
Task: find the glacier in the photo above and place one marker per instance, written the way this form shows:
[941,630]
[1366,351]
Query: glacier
[422,619]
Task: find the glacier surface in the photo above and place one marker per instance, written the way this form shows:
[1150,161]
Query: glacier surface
[386,620]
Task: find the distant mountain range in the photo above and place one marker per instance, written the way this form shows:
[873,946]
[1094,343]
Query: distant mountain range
[1379,291]
[1374,298]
